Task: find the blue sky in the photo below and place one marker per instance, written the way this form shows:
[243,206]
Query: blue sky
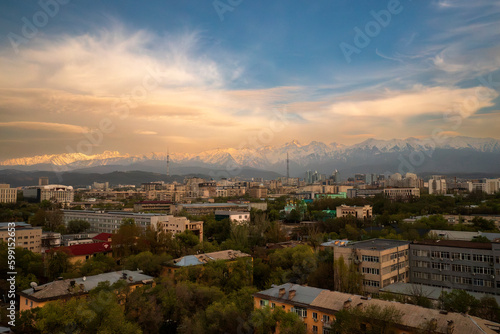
[195,75]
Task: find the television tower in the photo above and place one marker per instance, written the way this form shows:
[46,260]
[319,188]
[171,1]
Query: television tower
[168,163]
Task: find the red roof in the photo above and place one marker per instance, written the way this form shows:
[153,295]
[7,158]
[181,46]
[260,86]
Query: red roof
[85,249]
[102,236]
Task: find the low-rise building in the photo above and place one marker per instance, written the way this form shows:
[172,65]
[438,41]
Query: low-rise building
[176,225]
[84,252]
[7,194]
[233,216]
[39,296]
[361,212]
[228,256]
[381,261]
[26,236]
[50,240]
[318,309]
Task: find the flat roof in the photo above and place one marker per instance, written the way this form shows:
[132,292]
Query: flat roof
[227,213]
[209,205]
[455,243]
[123,213]
[378,244]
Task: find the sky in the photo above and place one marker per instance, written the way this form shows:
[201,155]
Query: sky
[140,77]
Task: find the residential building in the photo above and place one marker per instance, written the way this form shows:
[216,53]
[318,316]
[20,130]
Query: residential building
[465,265]
[229,256]
[84,252]
[76,239]
[361,212]
[51,192]
[437,185]
[318,308]
[201,209]
[233,216]
[7,194]
[176,225]
[258,191]
[166,207]
[492,186]
[39,296]
[381,261]
[26,236]
[110,221]
[401,194]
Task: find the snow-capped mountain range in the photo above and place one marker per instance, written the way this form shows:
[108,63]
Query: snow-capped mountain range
[315,155]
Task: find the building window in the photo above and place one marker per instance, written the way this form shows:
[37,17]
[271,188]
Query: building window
[315,316]
[301,312]
[273,305]
[369,258]
[31,304]
[326,318]
[374,271]
[27,300]
[315,329]
[264,303]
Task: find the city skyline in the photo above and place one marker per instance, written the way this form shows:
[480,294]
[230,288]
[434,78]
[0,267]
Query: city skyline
[135,78]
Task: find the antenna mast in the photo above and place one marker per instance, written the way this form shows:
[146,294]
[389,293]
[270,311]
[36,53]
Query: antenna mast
[168,163]
[287,169]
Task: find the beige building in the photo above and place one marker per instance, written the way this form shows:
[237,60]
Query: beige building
[361,212]
[258,191]
[176,225]
[382,262]
[7,194]
[401,194]
[26,236]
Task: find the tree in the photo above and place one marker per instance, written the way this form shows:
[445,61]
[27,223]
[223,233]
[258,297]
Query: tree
[483,224]
[458,301]
[148,262]
[77,226]
[58,263]
[125,240]
[293,264]
[267,321]
[346,278]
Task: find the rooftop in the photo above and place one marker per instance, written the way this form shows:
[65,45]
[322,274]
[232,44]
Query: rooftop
[121,213]
[212,205]
[85,249]
[455,243]
[412,316]
[227,213]
[378,244]
[103,236]
[82,285]
[431,292]
[194,260]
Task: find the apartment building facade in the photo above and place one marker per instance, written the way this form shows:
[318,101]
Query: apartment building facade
[361,212]
[401,194]
[381,261]
[176,225]
[455,264]
[7,194]
[26,236]
[110,221]
[318,308]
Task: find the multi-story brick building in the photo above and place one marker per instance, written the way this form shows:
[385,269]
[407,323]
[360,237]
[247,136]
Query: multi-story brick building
[472,266]
[52,192]
[176,225]
[382,262]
